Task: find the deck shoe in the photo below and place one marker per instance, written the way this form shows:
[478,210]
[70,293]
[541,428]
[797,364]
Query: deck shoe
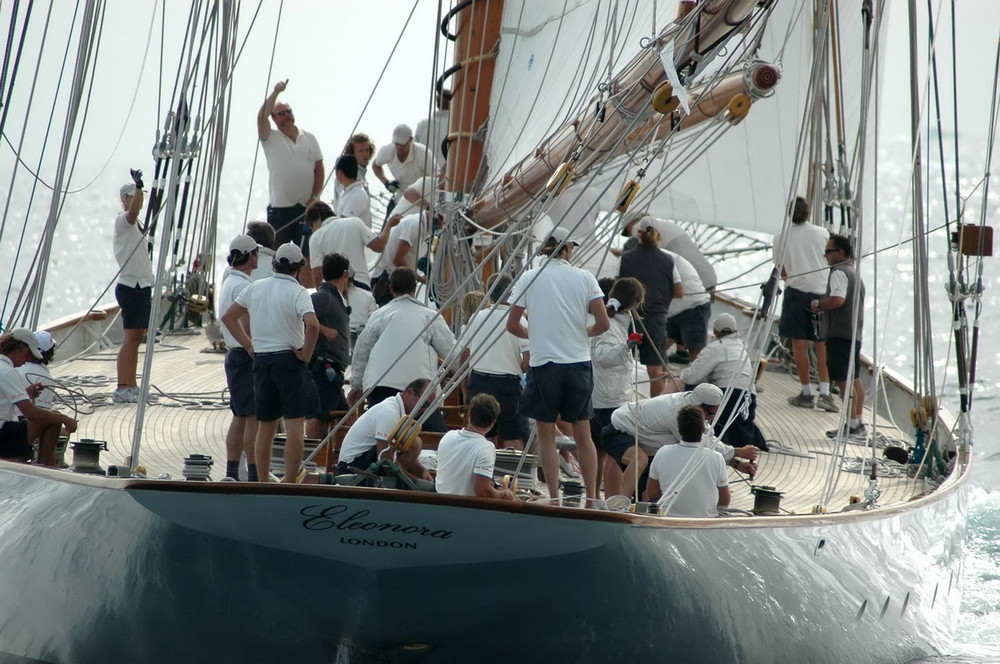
[801,400]
[679,358]
[828,403]
[125,395]
[859,431]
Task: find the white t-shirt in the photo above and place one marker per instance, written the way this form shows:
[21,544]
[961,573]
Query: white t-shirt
[33,373]
[233,283]
[803,259]
[413,229]
[290,166]
[265,267]
[418,164]
[655,420]
[11,390]
[700,494]
[374,425]
[362,304]
[694,290]
[349,237]
[494,350]
[277,306]
[354,202]
[381,357]
[722,362]
[432,134]
[132,254]
[557,299]
[462,454]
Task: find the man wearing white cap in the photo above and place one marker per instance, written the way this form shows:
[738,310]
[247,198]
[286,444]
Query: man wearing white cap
[294,165]
[725,363]
[407,161]
[37,372]
[277,308]
[557,298]
[16,435]
[639,429]
[244,255]
[134,288]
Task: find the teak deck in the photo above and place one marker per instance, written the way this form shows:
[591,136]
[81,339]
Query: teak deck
[189,415]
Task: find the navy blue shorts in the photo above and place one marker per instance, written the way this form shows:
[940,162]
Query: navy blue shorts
[135,303]
[361,462]
[690,328]
[653,349]
[838,358]
[616,443]
[511,425]
[280,386]
[14,440]
[797,320]
[239,378]
[558,390]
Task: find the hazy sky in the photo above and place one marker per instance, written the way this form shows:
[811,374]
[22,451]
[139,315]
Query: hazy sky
[332,53]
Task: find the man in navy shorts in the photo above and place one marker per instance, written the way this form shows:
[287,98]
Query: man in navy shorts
[560,380]
[283,332]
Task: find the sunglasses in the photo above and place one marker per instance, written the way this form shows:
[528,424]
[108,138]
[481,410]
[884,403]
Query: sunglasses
[830,251]
[283,112]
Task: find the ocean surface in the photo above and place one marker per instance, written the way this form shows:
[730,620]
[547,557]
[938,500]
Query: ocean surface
[86,231]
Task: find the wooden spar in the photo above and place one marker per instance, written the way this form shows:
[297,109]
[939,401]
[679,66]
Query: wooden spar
[478,35]
[630,94]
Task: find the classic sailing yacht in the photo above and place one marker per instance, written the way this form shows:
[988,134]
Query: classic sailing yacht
[715,113]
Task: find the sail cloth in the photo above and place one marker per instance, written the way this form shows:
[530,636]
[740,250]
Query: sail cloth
[553,59]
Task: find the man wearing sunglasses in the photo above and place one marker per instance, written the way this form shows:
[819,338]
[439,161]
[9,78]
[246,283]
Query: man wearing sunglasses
[294,164]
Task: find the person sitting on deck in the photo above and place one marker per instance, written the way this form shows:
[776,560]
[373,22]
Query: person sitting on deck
[466,458]
[726,363]
[708,486]
[639,429]
[369,436]
[37,371]
[44,425]
[283,331]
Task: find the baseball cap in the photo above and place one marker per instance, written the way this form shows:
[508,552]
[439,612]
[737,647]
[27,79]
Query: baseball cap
[127,190]
[560,234]
[28,337]
[243,244]
[724,323]
[631,220]
[289,253]
[708,394]
[45,341]
[402,134]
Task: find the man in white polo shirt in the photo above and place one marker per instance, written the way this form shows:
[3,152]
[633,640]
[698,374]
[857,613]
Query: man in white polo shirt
[369,436]
[347,236]
[277,308]
[497,359]
[353,200]
[243,257]
[294,165]
[408,246]
[701,469]
[406,160]
[466,458]
[557,298]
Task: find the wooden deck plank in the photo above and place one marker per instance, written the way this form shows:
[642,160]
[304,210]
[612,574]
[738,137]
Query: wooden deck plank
[188,415]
